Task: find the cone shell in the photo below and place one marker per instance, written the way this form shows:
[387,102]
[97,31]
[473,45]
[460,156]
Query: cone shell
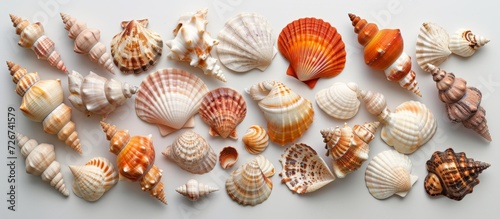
[228,157]
[193,190]
[94,178]
[340,100]
[465,43]
[248,185]
[246,42]
[314,49]
[136,48]
[192,153]
[288,115]
[256,139]
[223,109]
[388,173]
[170,98]
[265,165]
[432,45]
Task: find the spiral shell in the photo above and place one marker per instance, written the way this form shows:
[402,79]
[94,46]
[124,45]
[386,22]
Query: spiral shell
[465,43]
[256,139]
[93,179]
[432,45]
[248,185]
[340,100]
[193,190]
[228,157]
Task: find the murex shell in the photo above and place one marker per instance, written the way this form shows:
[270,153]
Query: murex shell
[340,100]
[170,98]
[314,49]
[246,42]
[193,190]
[248,185]
[228,157]
[136,48]
[452,174]
[255,139]
[94,178]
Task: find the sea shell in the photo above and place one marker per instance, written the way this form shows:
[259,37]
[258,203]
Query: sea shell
[432,45]
[265,165]
[410,126]
[43,102]
[465,43]
[288,115]
[136,48]
[194,44]
[348,146]
[304,170]
[248,185]
[87,42]
[314,49]
[256,139]
[246,42]
[135,159]
[94,94]
[170,98]
[463,104]
[223,109]
[388,173]
[340,100]
[93,179]
[41,161]
[192,153]
[193,190]
[228,157]
[32,36]
[384,51]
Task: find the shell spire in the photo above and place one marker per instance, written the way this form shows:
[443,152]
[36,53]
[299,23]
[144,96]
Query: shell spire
[94,178]
[465,43]
[194,190]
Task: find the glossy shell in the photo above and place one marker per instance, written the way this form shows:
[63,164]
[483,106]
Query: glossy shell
[94,178]
[193,190]
[255,139]
[340,100]
[248,185]
[465,43]
[432,45]
[228,157]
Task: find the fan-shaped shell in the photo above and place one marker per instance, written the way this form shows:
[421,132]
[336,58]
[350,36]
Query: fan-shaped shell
[388,173]
[256,139]
[314,49]
[432,45]
[246,42]
[340,100]
[223,109]
[465,43]
[169,98]
[193,190]
[94,178]
[265,165]
[248,185]
[228,157]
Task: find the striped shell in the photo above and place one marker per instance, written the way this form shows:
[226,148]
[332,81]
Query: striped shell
[432,45]
[248,185]
[465,43]
[265,165]
[340,100]
[93,179]
[256,139]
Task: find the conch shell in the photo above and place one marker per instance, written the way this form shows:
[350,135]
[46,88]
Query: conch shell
[93,179]
[248,185]
[465,43]
[193,190]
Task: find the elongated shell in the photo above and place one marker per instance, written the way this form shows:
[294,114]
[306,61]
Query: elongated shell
[465,43]
[288,115]
[93,179]
[192,43]
[248,185]
[432,45]
[193,190]
[87,42]
[388,173]
[43,102]
[340,100]
[170,98]
[256,139]
[41,161]
[246,42]
[32,36]
[136,48]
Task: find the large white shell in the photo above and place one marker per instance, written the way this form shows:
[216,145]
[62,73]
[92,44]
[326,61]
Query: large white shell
[246,42]
[94,178]
[432,45]
[340,100]
[388,173]
[193,190]
[465,43]
[170,98]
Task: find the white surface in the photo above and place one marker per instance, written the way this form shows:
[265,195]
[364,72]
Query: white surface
[344,198]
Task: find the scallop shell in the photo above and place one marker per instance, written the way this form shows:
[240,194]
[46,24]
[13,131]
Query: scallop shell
[340,100]
[193,190]
[93,179]
[432,45]
[41,161]
[465,43]
[228,157]
[256,139]
[288,115]
[265,165]
[192,153]
[248,185]
[136,48]
[223,109]
[452,174]
[304,170]
[314,48]
[246,42]
[388,173]
[194,44]
[170,98]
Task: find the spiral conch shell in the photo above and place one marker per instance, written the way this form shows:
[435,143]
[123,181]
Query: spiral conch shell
[43,102]
[192,43]
[384,51]
[94,178]
[452,174]
[194,190]
[463,104]
[33,37]
[340,100]
[87,42]
[41,161]
[249,185]
[135,159]
[256,139]
[465,43]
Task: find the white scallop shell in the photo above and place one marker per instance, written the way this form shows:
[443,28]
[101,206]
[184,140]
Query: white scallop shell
[94,178]
[340,100]
[248,185]
[465,43]
[432,45]
[194,190]
[388,173]
[246,42]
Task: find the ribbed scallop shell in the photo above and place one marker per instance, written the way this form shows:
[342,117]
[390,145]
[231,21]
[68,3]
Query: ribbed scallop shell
[170,98]
[192,153]
[93,179]
[465,43]
[136,48]
[193,190]
[248,185]
[432,45]
[246,42]
[223,109]
[256,139]
[340,100]
[228,157]
[265,165]
[303,169]
[388,173]
[314,49]
[288,115]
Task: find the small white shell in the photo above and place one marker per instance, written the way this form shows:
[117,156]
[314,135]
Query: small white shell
[193,190]
[465,43]
[340,100]
[94,178]
[256,139]
[432,45]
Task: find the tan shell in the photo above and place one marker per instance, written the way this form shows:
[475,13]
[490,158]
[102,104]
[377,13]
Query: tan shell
[432,45]
[193,190]
[228,157]
[93,179]
[465,43]
[256,139]
[340,100]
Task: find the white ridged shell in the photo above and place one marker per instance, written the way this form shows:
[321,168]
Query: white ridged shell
[432,45]
[340,100]
[193,190]
[265,165]
[94,178]
[465,43]
[248,185]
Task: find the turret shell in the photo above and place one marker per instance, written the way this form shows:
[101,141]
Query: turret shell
[193,190]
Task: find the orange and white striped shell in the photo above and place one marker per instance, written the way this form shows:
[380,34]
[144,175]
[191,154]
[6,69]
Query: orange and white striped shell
[94,178]
[248,185]
[256,139]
